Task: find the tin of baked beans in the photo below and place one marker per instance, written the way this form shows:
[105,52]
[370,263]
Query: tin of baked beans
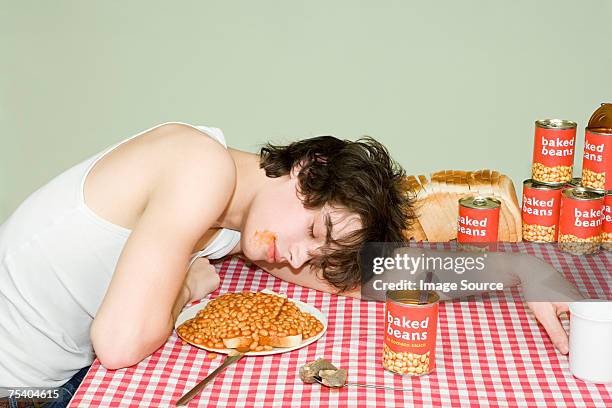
[553,151]
[540,211]
[478,223]
[606,235]
[597,159]
[580,220]
[409,345]
[574,182]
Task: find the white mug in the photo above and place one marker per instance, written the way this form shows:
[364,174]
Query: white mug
[590,341]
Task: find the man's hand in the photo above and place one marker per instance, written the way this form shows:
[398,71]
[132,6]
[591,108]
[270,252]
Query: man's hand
[202,279]
[548,314]
[548,295]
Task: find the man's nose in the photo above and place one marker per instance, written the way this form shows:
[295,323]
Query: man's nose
[300,254]
[296,259]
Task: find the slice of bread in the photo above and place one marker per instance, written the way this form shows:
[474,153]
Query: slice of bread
[276,341]
[442,182]
[506,190]
[428,213]
[238,342]
[458,187]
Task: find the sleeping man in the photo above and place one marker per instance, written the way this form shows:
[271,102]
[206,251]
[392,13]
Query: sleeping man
[99,261]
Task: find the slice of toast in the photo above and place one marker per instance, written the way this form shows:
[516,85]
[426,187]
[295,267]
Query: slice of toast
[238,342]
[286,341]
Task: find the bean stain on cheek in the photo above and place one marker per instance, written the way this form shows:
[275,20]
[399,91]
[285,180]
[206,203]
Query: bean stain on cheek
[264,237]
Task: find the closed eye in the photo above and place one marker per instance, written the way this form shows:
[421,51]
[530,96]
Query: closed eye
[312,231]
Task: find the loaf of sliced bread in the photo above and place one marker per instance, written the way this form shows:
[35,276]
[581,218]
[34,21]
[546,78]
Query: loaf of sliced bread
[437,203]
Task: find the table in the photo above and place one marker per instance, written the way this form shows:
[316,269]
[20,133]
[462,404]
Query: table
[490,351]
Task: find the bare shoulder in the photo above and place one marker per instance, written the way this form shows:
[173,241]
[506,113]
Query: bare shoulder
[195,182]
[195,162]
[181,141]
[120,185]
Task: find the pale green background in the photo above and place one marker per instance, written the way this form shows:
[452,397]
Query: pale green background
[453,84]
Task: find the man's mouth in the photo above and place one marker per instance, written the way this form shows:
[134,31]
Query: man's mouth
[272,251]
[268,240]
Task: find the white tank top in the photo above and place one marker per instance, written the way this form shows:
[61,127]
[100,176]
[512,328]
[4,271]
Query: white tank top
[57,258]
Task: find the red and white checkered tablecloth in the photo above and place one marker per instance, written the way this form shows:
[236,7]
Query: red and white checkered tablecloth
[490,352]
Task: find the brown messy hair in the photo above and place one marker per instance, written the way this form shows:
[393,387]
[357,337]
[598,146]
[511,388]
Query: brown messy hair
[359,176]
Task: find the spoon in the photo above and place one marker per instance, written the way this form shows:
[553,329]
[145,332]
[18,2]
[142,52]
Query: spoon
[320,381]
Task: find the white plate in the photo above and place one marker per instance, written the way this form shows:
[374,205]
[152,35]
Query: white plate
[191,312]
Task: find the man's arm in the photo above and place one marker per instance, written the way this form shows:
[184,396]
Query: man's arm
[547,292]
[545,289]
[539,280]
[140,305]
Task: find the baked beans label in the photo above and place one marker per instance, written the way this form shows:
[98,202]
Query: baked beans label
[597,160]
[411,329]
[477,225]
[541,207]
[554,147]
[581,218]
[607,215]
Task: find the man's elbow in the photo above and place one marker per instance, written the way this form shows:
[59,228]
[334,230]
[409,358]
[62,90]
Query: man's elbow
[114,360]
[115,351]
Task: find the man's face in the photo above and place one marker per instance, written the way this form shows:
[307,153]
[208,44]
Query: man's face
[278,228]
